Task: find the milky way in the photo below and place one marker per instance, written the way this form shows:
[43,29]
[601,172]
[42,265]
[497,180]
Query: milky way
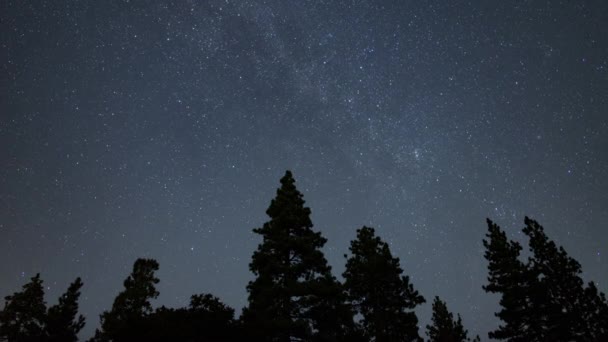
[160,129]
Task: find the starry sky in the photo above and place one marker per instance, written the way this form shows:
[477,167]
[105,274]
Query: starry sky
[161,128]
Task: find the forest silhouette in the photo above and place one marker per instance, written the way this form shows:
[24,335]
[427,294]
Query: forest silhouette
[295,297]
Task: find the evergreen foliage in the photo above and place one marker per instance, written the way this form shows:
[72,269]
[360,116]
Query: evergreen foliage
[570,309]
[379,292]
[206,319]
[24,313]
[131,305]
[294,293]
[295,297]
[511,278]
[62,325]
[444,328]
[543,299]
[25,317]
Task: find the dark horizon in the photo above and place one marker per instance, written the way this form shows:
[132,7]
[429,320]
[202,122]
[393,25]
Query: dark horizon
[160,130]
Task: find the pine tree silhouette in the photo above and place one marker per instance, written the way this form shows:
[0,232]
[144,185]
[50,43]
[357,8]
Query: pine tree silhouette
[123,322]
[379,292]
[545,298]
[573,313]
[510,278]
[24,313]
[62,325]
[294,296]
[444,328]
[596,313]
[206,319]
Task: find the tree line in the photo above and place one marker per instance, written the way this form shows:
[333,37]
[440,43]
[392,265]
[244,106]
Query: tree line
[295,297]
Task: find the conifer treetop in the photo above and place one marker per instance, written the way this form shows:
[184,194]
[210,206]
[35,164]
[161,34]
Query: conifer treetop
[289,202]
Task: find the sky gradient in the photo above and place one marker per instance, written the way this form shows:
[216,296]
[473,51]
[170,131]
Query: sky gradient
[161,129]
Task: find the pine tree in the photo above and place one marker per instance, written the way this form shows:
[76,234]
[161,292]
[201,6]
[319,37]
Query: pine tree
[23,316]
[61,321]
[573,312]
[206,319]
[596,313]
[212,319]
[379,292]
[510,278]
[445,328]
[294,294]
[545,298]
[132,305]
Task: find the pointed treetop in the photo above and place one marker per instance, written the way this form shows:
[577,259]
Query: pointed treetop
[287,181]
[131,303]
[63,322]
[543,299]
[377,288]
[444,327]
[289,202]
[293,291]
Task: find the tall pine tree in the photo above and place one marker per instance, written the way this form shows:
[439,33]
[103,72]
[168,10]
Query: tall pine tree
[294,295]
[132,305]
[62,325]
[444,328]
[24,313]
[509,277]
[545,298]
[379,292]
[572,312]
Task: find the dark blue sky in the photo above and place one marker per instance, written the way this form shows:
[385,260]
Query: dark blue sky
[160,129]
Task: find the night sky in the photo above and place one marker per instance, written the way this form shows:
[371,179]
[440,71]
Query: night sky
[161,129]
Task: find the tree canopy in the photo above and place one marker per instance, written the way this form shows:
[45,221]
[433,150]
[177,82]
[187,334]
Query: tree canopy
[444,328]
[543,298]
[26,318]
[294,293]
[295,297]
[131,305]
[379,292]
[62,322]
[23,316]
